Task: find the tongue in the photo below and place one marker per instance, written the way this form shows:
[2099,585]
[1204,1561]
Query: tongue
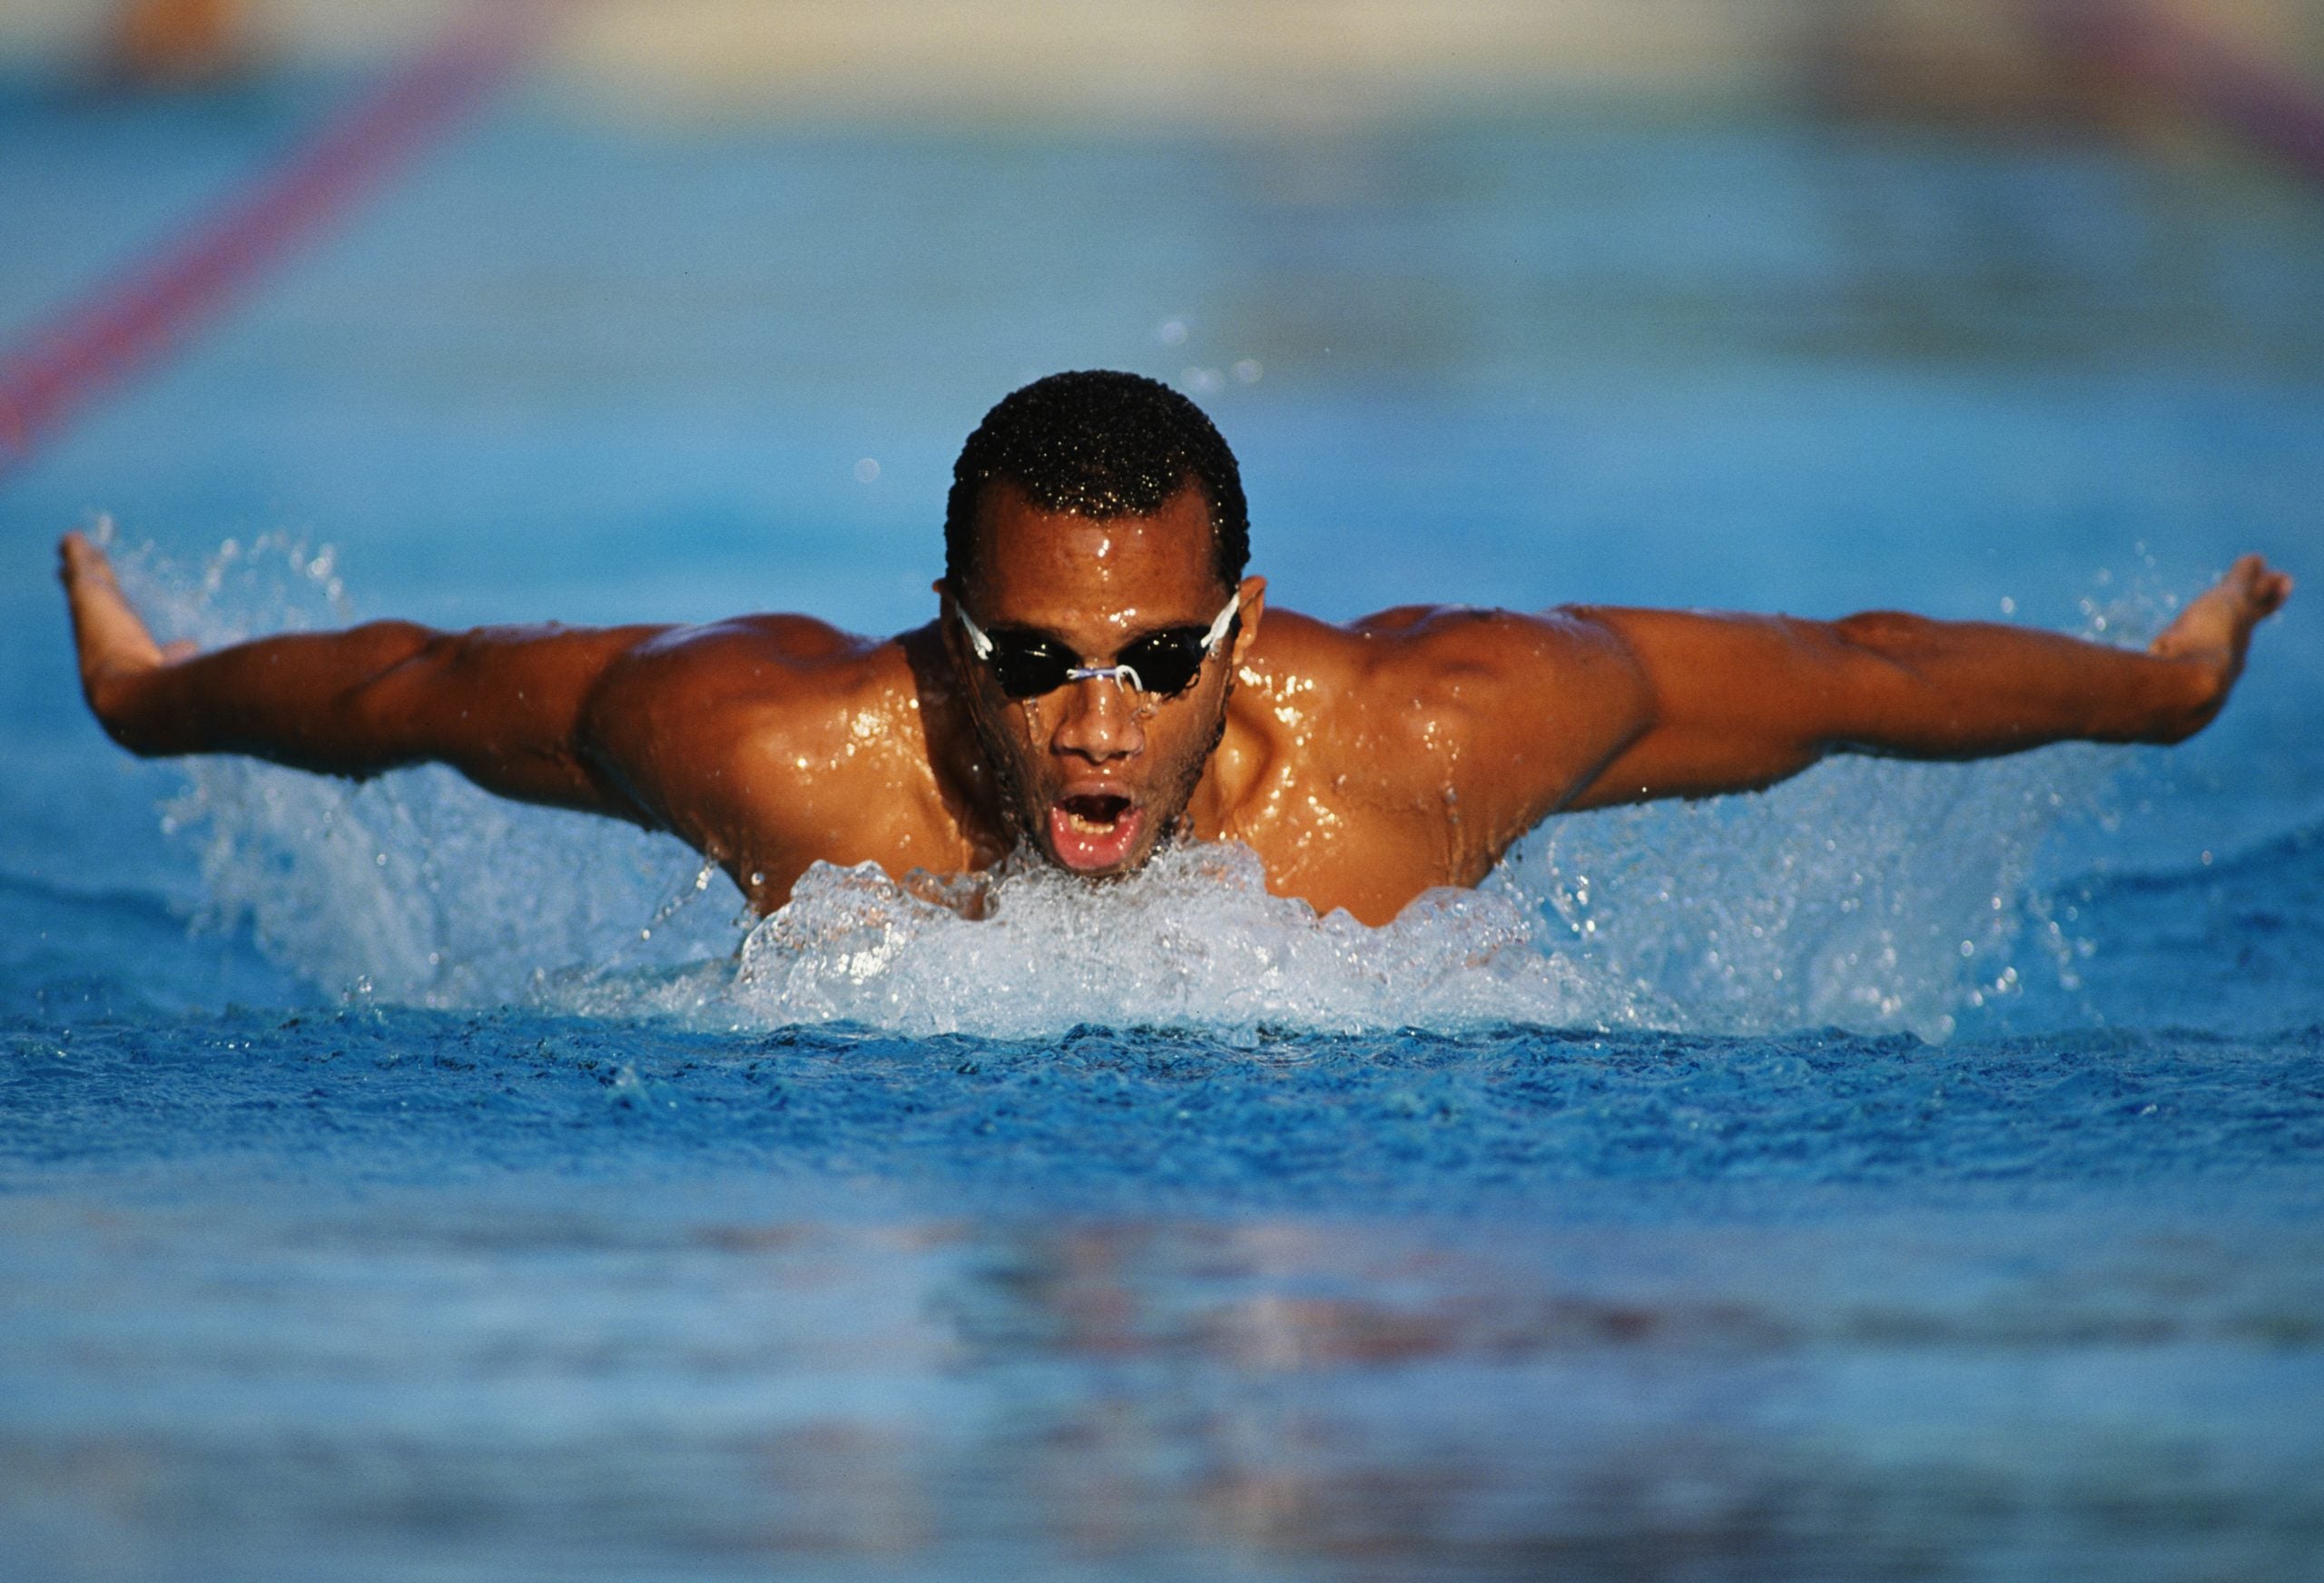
[1102,836]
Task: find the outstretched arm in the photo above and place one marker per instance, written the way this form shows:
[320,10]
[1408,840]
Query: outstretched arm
[504,706]
[1731,703]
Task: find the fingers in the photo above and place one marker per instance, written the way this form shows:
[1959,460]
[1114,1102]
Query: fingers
[2218,622]
[2263,588]
[112,638]
[2271,592]
[77,557]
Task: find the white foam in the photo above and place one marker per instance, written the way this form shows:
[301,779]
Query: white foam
[1195,938]
[1866,894]
[415,887]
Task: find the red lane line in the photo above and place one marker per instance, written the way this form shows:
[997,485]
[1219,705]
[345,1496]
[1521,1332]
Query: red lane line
[68,360]
[2146,44]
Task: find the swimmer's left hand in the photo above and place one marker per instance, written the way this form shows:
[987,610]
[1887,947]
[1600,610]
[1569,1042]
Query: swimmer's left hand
[2217,622]
[2215,629]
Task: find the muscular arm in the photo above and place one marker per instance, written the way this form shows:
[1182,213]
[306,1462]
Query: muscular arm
[504,706]
[1733,703]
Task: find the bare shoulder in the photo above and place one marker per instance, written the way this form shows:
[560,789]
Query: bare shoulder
[688,704]
[769,670]
[1422,657]
[1509,712]
[744,640]
[1439,633]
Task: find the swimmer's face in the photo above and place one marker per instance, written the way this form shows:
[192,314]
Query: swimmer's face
[1096,774]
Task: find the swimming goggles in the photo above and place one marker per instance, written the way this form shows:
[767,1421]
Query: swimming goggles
[1162,664]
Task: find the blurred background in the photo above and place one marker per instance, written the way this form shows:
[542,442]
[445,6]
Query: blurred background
[692,264]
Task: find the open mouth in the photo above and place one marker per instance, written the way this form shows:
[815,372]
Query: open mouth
[1094,830]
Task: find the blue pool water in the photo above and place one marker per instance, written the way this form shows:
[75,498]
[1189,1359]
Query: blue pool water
[1913,1173]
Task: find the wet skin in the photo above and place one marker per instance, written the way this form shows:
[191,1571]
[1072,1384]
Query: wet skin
[1364,763]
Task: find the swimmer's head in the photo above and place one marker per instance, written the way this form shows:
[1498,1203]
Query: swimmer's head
[1097,444]
[1097,521]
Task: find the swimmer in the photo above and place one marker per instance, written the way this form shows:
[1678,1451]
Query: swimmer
[1102,677]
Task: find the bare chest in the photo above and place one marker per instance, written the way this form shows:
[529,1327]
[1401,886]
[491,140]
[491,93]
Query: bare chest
[1335,836]
[856,788]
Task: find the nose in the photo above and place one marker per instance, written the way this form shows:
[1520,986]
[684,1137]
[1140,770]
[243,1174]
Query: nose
[1100,721]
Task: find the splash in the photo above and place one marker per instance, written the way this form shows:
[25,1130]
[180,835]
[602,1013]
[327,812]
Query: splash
[415,887]
[1867,895]
[1193,939]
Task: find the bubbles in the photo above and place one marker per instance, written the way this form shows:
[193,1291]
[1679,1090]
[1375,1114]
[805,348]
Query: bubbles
[1205,379]
[1734,917]
[1194,940]
[419,889]
[414,887]
[273,583]
[1866,894]
[867,471]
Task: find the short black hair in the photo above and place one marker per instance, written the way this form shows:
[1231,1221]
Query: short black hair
[1097,444]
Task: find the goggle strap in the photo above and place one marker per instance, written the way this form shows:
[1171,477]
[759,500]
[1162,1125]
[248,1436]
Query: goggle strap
[979,644]
[1226,618]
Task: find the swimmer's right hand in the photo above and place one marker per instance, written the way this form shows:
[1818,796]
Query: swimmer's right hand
[115,648]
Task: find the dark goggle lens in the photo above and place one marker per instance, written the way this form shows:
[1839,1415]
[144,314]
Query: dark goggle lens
[1166,663]
[1026,667]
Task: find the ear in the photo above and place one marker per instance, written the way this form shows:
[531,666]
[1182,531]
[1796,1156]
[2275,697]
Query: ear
[1253,591]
